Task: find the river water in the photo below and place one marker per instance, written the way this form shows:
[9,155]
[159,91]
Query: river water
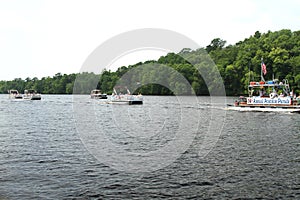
[66,147]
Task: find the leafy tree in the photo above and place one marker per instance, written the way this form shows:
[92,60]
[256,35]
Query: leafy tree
[238,64]
[216,44]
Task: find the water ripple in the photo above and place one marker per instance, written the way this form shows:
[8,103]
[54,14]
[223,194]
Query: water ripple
[43,157]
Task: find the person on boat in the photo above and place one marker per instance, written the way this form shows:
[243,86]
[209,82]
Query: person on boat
[260,93]
[236,103]
[264,93]
[251,92]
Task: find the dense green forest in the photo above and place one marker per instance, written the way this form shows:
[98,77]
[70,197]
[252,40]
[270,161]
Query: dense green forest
[237,64]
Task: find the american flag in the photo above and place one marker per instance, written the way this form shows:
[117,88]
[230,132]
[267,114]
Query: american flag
[263,68]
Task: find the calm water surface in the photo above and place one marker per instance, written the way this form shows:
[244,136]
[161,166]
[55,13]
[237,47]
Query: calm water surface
[43,154]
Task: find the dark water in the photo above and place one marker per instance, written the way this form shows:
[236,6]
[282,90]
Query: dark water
[50,149]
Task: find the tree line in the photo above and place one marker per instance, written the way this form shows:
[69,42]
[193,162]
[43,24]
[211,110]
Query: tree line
[191,71]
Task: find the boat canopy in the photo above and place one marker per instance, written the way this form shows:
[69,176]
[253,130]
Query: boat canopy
[263,88]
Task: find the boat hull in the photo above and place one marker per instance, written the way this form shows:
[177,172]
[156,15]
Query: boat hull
[99,97]
[17,97]
[289,109]
[33,98]
[102,96]
[125,102]
[36,98]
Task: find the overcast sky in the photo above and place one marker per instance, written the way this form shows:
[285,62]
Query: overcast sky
[41,38]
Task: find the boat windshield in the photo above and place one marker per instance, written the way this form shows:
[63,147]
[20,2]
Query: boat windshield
[14,92]
[96,91]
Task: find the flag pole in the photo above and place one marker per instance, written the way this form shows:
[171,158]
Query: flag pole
[261,70]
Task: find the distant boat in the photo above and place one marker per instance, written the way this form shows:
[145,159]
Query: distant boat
[96,94]
[31,95]
[123,96]
[14,94]
[268,96]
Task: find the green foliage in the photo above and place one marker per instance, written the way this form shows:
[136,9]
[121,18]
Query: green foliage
[238,65]
[59,84]
[280,51]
